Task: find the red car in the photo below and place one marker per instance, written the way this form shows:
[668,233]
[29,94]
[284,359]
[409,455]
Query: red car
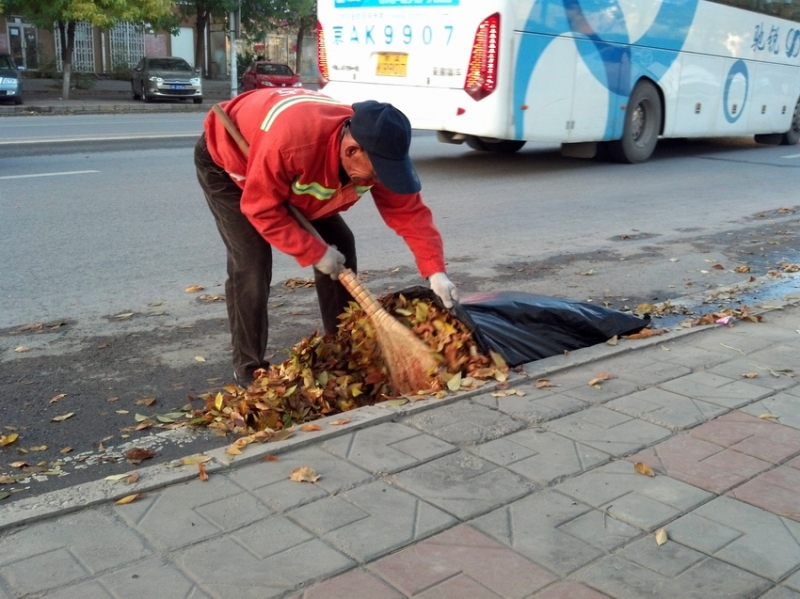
[269,74]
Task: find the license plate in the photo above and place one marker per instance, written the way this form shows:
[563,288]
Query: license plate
[391,64]
[177,87]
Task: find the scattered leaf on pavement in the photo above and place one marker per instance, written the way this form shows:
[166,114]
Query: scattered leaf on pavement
[544,384]
[62,418]
[661,536]
[750,375]
[304,474]
[128,499]
[340,422]
[769,416]
[202,475]
[643,468]
[131,478]
[603,376]
[645,333]
[38,448]
[195,459]
[194,288]
[8,439]
[138,454]
[56,398]
[66,449]
[613,341]
[270,458]
[123,316]
[310,428]
[22,349]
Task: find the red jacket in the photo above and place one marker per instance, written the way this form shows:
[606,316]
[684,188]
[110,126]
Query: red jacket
[294,155]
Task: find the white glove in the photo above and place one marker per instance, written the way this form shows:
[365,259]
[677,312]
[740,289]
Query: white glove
[444,288]
[331,263]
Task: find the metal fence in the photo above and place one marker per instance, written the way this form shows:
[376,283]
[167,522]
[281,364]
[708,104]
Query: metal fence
[127,45]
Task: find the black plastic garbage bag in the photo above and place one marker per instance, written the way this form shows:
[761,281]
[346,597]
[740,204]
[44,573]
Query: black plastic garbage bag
[523,327]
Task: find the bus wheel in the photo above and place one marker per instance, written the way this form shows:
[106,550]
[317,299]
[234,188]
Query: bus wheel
[504,146]
[642,125]
[792,136]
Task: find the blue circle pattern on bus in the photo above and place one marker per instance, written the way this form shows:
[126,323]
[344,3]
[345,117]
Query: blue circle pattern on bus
[600,34]
[738,68]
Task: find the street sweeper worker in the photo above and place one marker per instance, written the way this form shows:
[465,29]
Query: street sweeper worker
[321,156]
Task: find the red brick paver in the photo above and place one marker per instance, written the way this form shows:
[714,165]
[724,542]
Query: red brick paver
[762,439]
[355,584]
[777,491]
[461,558]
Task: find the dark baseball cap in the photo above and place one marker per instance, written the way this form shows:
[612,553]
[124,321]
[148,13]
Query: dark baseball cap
[385,134]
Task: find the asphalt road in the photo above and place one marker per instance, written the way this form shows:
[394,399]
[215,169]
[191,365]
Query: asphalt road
[104,227]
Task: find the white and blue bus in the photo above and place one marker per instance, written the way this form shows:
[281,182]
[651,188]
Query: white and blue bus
[610,75]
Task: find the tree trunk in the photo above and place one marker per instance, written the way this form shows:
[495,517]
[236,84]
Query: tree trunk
[200,45]
[298,57]
[67,39]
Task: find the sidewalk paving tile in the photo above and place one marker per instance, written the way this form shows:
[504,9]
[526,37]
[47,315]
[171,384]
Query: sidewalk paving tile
[461,562]
[667,409]
[639,372]
[463,422]
[541,528]
[53,553]
[642,501]
[679,352]
[87,590]
[463,484]
[372,520]
[574,383]
[779,357]
[387,447]
[264,560]
[793,582]
[543,457]
[355,584]
[533,410]
[717,389]
[756,437]
[734,341]
[777,491]
[700,463]
[636,573]
[154,577]
[781,593]
[608,431]
[740,534]
[736,369]
[783,404]
[189,512]
[269,481]
[568,590]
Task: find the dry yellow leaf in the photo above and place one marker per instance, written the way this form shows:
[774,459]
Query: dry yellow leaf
[613,341]
[56,398]
[340,422]
[128,499]
[65,450]
[603,376]
[310,428]
[769,416]
[22,349]
[39,448]
[194,288]
[8,439]
[643,468]
[62,418]
[304,474]
[195,459]
[203,475]
[544,384]
[233,450]
[661,536]
[200,358]
[750,375]
[131,478]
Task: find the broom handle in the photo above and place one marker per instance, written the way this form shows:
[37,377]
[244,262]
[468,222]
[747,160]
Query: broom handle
[347,277]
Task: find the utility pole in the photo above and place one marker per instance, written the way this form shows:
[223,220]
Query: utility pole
[234,22]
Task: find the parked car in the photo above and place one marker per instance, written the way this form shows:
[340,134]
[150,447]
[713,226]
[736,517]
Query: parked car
[166,77]
[269,74]
[10,80]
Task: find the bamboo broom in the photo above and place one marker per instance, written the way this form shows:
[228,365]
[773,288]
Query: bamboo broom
[411,363]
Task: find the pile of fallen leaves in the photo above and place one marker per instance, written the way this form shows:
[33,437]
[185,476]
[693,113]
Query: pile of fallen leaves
[330,374]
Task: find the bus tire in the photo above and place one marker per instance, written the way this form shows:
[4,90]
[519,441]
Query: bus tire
[504,146]
[792,136]
[642,126]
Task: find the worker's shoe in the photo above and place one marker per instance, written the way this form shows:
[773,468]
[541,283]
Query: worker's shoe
[244,381]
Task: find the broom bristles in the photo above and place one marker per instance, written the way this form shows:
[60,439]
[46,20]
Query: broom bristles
[411,363]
